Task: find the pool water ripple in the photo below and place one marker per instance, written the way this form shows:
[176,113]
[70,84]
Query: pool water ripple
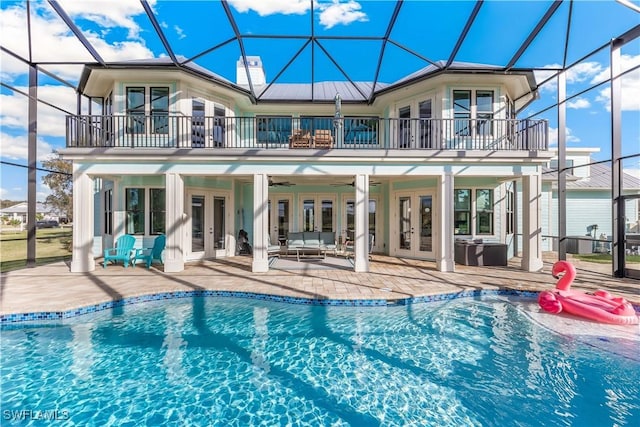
[485,361]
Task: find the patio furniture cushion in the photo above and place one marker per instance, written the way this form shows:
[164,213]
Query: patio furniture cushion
[295,240]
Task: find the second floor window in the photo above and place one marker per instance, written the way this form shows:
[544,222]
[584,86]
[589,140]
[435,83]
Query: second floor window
[470,106]
[156,106]
[135,109]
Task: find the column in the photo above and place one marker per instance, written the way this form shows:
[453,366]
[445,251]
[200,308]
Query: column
[260,223]
[444,224]
[531,223]
[362,224]
[562,165]
[174,216]
[82,260]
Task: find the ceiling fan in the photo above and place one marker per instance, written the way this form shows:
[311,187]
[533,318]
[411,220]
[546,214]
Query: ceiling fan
[272,183]
[353,184]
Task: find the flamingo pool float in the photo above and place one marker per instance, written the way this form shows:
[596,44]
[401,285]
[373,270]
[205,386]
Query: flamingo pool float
[600,306]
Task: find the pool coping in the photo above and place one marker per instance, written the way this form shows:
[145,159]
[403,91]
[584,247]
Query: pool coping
[14,318]
[160,296]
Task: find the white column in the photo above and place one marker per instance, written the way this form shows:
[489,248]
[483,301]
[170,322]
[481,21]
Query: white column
[531,222]
[174,216]
[82,259]
[119,210]
[260,223]
[362,224]
[444,224]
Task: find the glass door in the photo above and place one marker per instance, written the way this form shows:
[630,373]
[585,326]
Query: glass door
[425,124]
[414,225]
[279,218]
[208,214]
[317,213]
[349,220]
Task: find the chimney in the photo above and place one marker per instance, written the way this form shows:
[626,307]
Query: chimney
[254,63]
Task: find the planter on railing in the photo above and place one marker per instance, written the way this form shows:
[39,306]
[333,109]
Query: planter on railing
[283,132]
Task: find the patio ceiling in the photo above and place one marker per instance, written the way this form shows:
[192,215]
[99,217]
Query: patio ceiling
[385,42]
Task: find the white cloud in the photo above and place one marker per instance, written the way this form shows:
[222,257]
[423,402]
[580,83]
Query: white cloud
[553,136]
[53,41]
[630,83]
[579,73]
[179,32]
[338,13]
[108,13]
[271,7]
[579,103]
[15,147]
[51,122]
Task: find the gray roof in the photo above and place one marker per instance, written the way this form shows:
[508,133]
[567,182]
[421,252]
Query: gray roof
[599,179]
[322,91]
[21,208]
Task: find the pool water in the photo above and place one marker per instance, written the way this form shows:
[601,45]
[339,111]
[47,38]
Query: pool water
[486,361]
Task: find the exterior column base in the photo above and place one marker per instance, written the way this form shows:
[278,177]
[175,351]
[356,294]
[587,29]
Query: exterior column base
[83,265]
[532,265]
[361,265]
[260,266]
[173,265]
[445,265]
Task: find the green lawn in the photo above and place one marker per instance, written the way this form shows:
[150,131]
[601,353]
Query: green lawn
[605,258]
[52,244]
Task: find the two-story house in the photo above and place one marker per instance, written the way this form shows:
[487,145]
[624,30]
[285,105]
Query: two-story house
[418,163]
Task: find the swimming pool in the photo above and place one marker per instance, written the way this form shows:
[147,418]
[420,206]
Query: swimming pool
[490,360]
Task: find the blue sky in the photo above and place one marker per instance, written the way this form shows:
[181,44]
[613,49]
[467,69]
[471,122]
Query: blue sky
[424,31]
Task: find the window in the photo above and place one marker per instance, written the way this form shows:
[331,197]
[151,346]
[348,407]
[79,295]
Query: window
[484,112]
[157,211]
[135,210]
[510,213]
[554,165]
[462,212]
[135,109]
[462,112]
[160,110]
[273,129]
[108,212]
[484,211]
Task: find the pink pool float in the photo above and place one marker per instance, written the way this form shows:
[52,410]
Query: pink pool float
[600,306]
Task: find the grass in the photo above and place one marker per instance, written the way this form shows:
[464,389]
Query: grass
[52,244]
[605,258]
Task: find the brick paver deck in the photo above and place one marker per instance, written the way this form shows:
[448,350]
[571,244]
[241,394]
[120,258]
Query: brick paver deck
[53,288]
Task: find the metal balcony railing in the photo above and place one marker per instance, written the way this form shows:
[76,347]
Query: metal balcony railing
[281,132]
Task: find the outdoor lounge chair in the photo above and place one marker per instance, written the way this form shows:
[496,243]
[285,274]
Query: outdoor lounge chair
[323,139]
[148,255]
[272,250]
[300,139]
[349,247]
[122,251]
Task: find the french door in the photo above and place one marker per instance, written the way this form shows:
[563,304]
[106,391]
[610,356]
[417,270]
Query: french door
[209,224]
[317,212]
[280,218]
[413,231]
[415,125]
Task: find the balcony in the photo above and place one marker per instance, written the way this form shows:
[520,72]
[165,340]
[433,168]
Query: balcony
[320,133]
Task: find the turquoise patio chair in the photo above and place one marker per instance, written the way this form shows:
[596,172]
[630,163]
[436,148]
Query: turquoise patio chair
[122,251]
[148,255]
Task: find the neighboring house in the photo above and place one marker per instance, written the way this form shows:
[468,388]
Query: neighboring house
[588,199]
[19,212]
[426,160]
